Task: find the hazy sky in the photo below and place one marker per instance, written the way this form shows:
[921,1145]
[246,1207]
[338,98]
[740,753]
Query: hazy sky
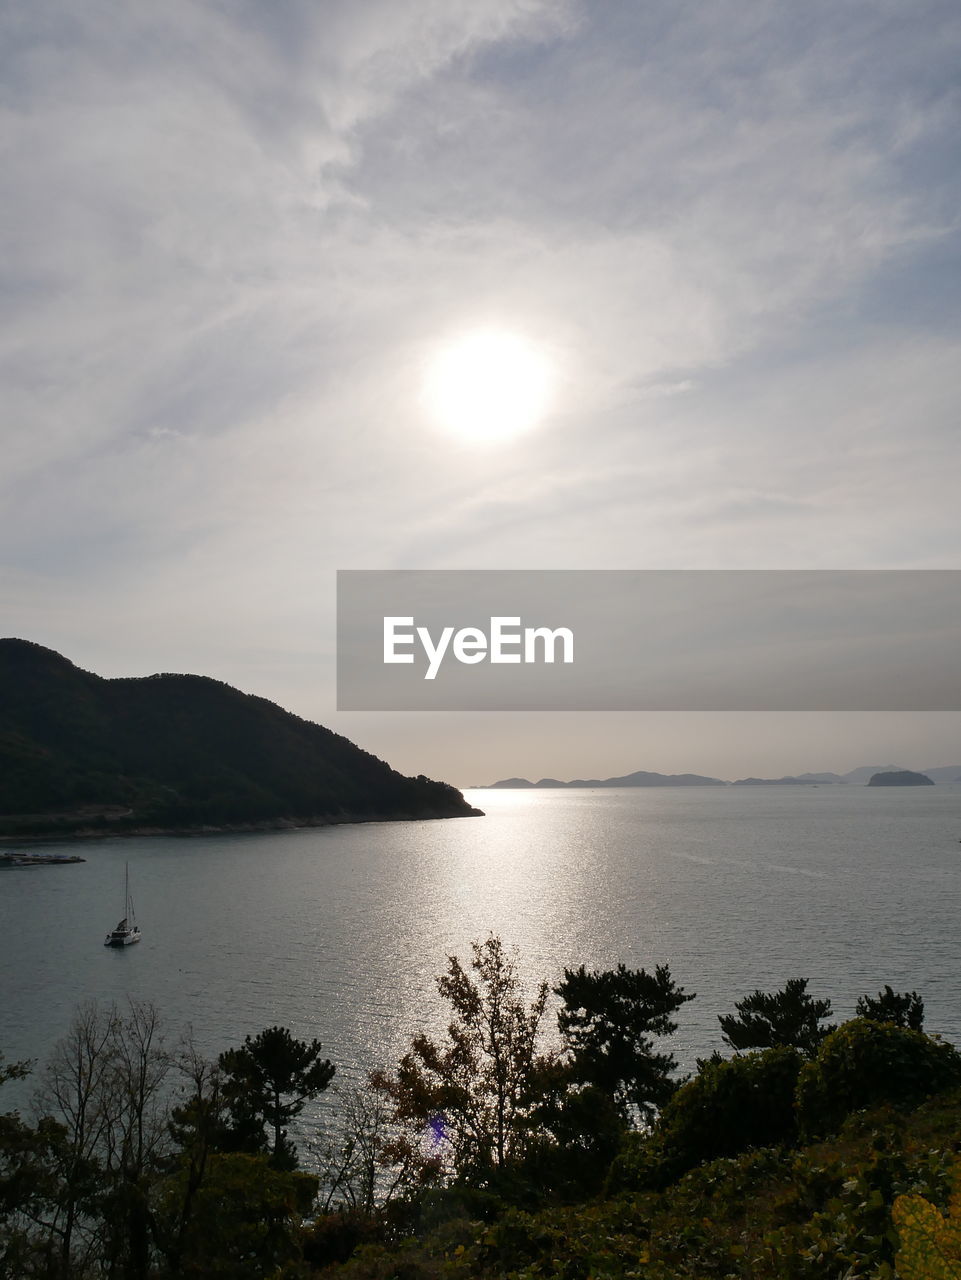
[234,234]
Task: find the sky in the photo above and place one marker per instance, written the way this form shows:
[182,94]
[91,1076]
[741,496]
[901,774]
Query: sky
[237,234]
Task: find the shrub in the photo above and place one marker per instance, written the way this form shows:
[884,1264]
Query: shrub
[865,1063]
[930,1241]
[730,1106]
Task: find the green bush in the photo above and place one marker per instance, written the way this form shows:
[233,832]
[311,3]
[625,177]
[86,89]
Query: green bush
[730,1106]
[864,1064]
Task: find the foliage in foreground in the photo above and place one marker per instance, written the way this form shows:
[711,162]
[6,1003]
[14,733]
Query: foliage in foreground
[819,1212]
[485,1156]
[930,1241]
[721,1185]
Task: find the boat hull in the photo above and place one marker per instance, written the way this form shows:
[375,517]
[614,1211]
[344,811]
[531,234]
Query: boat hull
[121,939]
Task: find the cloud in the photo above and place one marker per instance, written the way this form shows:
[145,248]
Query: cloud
[236,231]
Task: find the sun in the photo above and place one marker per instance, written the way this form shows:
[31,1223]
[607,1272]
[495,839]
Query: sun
[488,385]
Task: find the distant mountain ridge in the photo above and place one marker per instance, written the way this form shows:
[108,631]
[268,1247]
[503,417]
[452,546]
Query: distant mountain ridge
[944,773]
[640,779]
[79,753]
[856,777]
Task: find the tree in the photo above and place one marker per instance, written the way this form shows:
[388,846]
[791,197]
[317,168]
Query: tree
[198,1129]
[13,1070]
[466,1103]
[108,1180]
[903,1008]
[102,1104]
[27,1186]
[267,1082]
[789,1017]
[578,1132]
[608,1020]
[358,1170]
[136,1136]
[245,1221]
[222,1210]
[74,1092]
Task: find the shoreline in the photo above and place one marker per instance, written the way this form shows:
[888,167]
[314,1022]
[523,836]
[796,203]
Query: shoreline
[17,859]
[81,833]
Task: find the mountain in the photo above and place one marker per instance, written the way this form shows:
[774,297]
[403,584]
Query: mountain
[900,778]
[944,773]
[806,780]
[644,779]
[178,752]
[639,779]
[856,777]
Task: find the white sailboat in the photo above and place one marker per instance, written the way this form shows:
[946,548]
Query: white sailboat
[127,931]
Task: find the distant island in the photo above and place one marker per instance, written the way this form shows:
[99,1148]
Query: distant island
[83,755]
[864,775]
[900,778]
[639,779]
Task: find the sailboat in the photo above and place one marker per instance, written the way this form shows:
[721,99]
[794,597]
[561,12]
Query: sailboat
[127,931]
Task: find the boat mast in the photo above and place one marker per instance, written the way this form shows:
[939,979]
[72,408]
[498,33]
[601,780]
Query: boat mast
[129,907]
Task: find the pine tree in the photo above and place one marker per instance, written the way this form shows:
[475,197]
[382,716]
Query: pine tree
[267,1082]
[768,1020]
[903,1008]
[608,1020]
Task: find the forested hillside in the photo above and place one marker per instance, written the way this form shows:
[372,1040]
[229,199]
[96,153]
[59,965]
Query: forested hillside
[178,751]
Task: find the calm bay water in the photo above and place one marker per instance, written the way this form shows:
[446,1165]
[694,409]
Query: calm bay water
[339,932]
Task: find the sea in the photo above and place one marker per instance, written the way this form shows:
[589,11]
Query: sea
[339,932]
